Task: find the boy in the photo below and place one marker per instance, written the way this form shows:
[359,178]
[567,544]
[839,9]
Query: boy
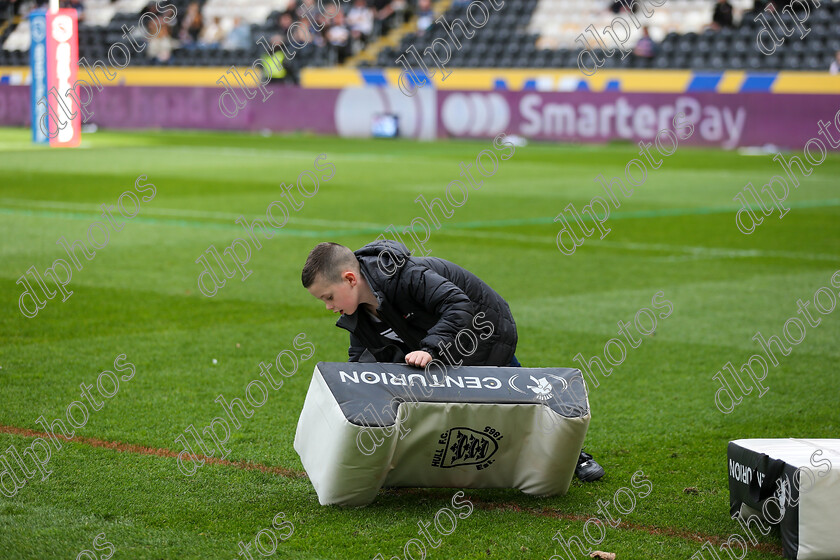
[400,308]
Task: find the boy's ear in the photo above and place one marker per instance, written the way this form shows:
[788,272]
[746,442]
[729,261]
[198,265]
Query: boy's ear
[350,277]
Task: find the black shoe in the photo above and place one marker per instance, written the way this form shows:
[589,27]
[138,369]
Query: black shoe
[587,469]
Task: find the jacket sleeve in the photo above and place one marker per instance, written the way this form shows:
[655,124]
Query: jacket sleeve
[443,298]
[356,348]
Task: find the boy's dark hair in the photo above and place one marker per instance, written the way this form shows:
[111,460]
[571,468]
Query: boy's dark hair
[329,260]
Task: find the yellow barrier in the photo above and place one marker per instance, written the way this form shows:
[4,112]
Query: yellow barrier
[627,81]
[138,76]
[483,79]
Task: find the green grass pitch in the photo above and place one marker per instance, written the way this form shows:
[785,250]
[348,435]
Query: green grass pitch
[139,297]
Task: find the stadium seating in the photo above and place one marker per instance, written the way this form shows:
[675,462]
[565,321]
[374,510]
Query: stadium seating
[524,33]
[559,22]
[502,42]
[542,35]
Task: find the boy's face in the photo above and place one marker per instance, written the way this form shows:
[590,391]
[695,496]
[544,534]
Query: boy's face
[339,297]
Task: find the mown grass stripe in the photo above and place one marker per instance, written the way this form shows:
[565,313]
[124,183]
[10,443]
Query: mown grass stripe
[515,222]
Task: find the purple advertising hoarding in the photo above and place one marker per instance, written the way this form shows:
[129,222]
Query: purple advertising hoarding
[724,120]
[715,119]
[135,107]
[15,106]
[286,109]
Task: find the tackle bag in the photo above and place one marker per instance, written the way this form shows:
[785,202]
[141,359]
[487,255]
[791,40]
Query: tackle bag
[793,483]
[368,425]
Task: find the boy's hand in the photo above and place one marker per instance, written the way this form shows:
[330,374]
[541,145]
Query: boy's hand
[418,358]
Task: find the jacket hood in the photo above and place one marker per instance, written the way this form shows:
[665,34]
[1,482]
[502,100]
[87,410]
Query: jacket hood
[382,257]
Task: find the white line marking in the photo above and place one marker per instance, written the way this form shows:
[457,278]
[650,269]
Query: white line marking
[176,212]
[688,252]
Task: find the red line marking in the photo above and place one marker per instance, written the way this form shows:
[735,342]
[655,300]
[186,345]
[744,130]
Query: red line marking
[581,518]
[651,530]
[289,473]
[160,452]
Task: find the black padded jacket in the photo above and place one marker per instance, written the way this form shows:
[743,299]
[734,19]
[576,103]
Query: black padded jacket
[429,303]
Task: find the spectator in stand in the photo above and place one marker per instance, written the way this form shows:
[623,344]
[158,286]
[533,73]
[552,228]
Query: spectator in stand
[835,66]
[284,22]
[619,6]
[360,21]
[338,36]
[384,14]
[308,34]
[161,44]
[645,47]
[311,33]
[150,8]
[299,13]
[212,34]
[239,37]
[402,11]
[77,4]
[191,25]
[425,15]
[7,10]
[305,32]
[280,69]
[780,5]
[291,8]
[758,7]
[722,16]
